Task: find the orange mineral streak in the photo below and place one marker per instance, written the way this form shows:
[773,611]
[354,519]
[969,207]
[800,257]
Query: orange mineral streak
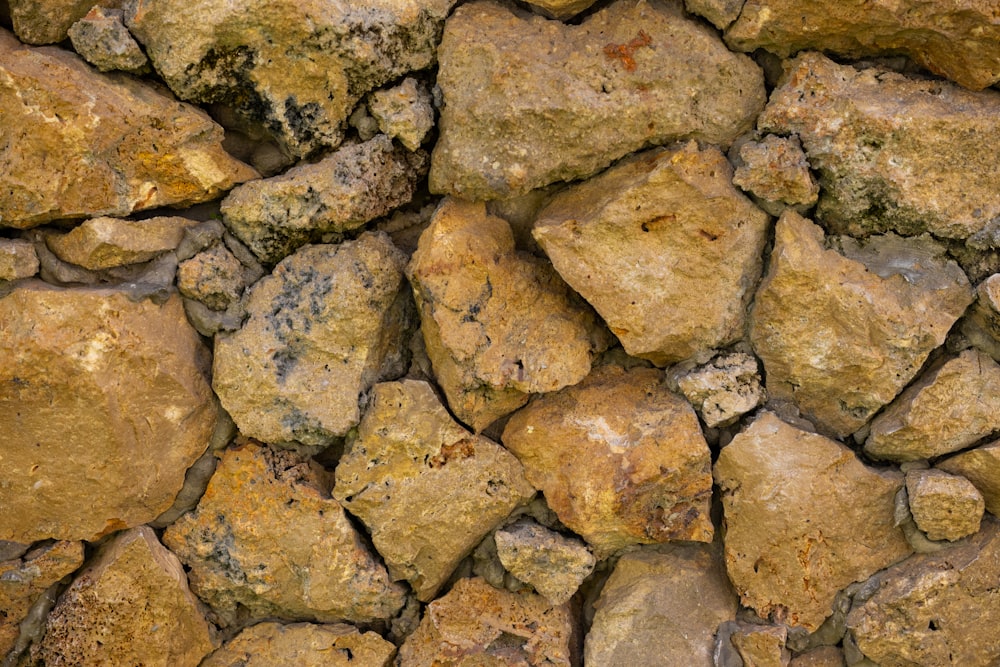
[625,52]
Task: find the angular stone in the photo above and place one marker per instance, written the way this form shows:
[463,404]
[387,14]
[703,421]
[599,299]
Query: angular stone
[428,490]
[935,609]
[18,259]
[554,565]
[661,607]
[105,404]
[804,518]
[324,327]
[404,112]
[946,507]
[303,645]
[130,606]
[293,67]
[892,153]
[946,410]
[719,13]
[267,540]
[103,40]
[352,186]
[498,323]
[76,143]
[104,243]
[842,335]
[476,624]
[215,277]
[664,247]
[981,466]
[529,101]
[982,324]
[620,458]
[46,21]
[957,40]
[776,170]
[762,645]
[724,389]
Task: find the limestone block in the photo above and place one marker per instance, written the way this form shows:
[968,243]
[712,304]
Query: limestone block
[553,564]
[18,259]
[762,645]
[724,389]
[103,40]
[946,507]
[47,21]
[981,466]
[529,101]
[215,277]
[303,645]
[404,112]
[776,170]
[104,243]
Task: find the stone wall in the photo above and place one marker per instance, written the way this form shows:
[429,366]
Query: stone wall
[439,332]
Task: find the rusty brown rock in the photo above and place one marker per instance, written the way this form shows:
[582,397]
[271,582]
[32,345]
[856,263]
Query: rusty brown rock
[104,243]
[18,259]
[47,21]
[981,466]
[944,506]
[303,645]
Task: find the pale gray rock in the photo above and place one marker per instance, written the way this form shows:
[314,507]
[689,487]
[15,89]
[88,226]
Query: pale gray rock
[103,40]
[944,506]
[106,243]
[553,564]
[724,389]
[18,259]
[981,466]
[404,112]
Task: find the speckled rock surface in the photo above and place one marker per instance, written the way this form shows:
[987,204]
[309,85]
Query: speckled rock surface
[724,389]
[553,564]
[981,466]
[104,243]
[776,170]
[824,656]
[944,506]
[18,259]
[303,645]
[103,40]
[404,112]
[214,277]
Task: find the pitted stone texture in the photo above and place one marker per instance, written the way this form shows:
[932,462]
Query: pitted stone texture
[476,624]
[327,324]
[294,67]
[47,21]
[981,466]
[105,243]
[499,324]
[804,518]
[530,101]
[130,606]
[214,277]
[945,507]
[352,186]
[892,153]
[427,489]
[620,458]
[303,645]
[104,405]
[664,247]
[762,645]
[267,540]
[935,609]
[404,112]
[75,143]
[662,607]
[842,335]
[18,259]
[724,389]
[553,564]
[103,40]
[776,170]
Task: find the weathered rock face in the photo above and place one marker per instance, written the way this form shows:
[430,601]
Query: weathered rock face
[981,466]
[824,656]
[828,520]
[81,144]
[776,170]
[46,21]
[303,645]
[105,405]
[560,9]
[945,507]
[498,324]
[724,389]
[103,40]
[664,247]
[427,489]
[214,277]
[842,335]
[404,112]
[982,325]
[324,327]
[104,243]
[529,101]
[553,564]
[761,645]
[268,541]
[720,13]
[18,259]
[619,457]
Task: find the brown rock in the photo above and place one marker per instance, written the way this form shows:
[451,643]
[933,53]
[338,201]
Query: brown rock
[560,9]
[215,277]
[103,40]
[824,656]
[120,145]
[804,518]
[981,466]
[46,21]
[404,112]
[498,324]
[620,458]
[946,507]
[762,645]
[104,243]
[982,324]
[105,405]
[842,334]
[554,565]
[720,13]
[130,606]
[529,101]
[427,489]
[18,259]
[664,248]
[776,170]
[303,645]
[724,389]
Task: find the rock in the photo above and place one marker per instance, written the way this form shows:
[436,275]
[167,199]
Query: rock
[303,645]
[18,259]
[719,13]
[104,243]
[724,389]
[947,409]
[529,101]
[105,404]
[130,606]
[103,40]
[476,624]
[934,609]
[46,21]
[841,334]
[560,9]
[825,521]
[214,277]
[498,324]
[352,186]
[620,459]
[955,40]
[981,466]
[824,656]
[946,507]
[776,170]
[982,323]
[295,68]
[762,645]
[877,139]
[661,608]
[427,490]
[664,248]
[404,112]
[120,145]
[324,327]
[554,565]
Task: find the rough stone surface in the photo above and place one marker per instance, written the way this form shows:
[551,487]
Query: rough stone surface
[130,606]
[724,389]
[776,170]
[476,624]
[427,489]
[620,458]
[104,243]
[981,466]
[661,609]
[946,410]
[720,13]
[303,645]
[85,144]
[499,324]
[560,9]
[404,112]
[664,248]
[553,564]
[935,609]
[892,153]
[105,404]
[804,518]
[352,186]
[215,277]
[18,259]
[529,101]
[824,656]
[103,40]
[762,645]
[46,21]
[267,540]
[946,507]
[982,324]
[840,335]
[324,327]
